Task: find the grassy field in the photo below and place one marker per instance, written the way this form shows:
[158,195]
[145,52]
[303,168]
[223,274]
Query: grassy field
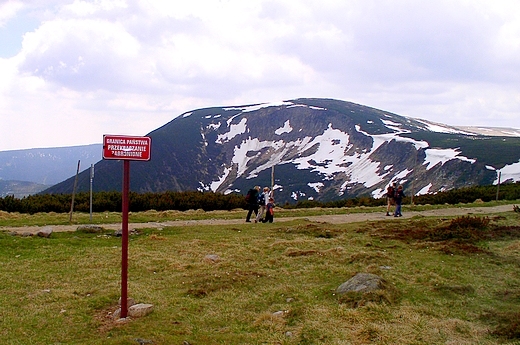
[40,219]
[450,282]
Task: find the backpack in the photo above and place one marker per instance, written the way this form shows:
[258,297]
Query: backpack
[261,199]
[248,195]
[390,192]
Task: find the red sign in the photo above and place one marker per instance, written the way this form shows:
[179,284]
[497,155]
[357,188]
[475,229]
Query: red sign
[126,148]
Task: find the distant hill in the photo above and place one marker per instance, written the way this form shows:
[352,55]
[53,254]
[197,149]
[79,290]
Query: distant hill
[43,167]
[20,189]
[320,149]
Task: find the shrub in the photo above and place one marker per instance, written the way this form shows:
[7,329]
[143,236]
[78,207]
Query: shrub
[469,222]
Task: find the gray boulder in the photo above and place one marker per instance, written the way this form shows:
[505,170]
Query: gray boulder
[212,258]
[361,282]
[90,229]
[46,232]
[140,310]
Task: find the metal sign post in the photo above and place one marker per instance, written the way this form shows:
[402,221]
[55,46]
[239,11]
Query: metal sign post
[498,184]
[126,149]
[91,181]
[124,240]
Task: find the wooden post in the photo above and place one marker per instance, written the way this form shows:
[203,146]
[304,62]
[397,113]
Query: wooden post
[413,177]
[498,184]
[91,181]
[272,182]
[74,194]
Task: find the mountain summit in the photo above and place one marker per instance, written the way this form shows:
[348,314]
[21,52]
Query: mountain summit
[319,149]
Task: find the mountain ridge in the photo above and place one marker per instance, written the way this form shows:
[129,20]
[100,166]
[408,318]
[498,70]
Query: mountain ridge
[321,149]
[29,171]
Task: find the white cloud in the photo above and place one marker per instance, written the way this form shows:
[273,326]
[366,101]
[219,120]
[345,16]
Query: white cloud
[131,66]
[8,10]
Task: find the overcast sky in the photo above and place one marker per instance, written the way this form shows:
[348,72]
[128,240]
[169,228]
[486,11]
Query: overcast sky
[71,71]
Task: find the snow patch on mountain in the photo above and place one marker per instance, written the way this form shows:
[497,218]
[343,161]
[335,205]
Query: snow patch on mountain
[297,195]
[242,153]
[436,156]
[425,189]
[316,186]
[401,175]
[213,126]
[509,172]
[393,125]
[329,155]
[306,106]
[256,107]
[440,128]
[378,193]
[380,139]
[285,129]
[234,130]
[216,184]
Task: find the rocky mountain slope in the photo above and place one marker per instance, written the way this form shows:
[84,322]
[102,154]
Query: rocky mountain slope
[320,149]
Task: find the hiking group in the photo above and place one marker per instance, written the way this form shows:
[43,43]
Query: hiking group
[394,196]
[261,203]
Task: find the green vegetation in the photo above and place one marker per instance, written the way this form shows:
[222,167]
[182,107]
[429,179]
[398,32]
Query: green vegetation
[111,202]
[450,280]
[209,201]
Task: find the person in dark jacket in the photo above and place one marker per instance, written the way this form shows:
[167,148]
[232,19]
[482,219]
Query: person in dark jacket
[398,199]
[252,201]
[269,211]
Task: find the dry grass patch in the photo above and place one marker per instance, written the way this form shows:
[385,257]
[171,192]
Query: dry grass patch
[506,324]
[369,258]
[451,236]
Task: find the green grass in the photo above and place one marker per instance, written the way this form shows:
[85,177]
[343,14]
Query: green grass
[52,218]
[461,290]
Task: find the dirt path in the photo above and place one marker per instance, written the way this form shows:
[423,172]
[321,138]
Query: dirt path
[334,219]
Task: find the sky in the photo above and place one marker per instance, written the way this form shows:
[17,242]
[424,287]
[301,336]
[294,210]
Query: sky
[72,71]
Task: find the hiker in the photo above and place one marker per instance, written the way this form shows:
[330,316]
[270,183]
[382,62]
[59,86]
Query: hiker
[398,198]
[269,211]
[390,191]
[252,203]
[263,199]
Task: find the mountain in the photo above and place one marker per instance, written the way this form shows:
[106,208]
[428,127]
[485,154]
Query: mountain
[321,149]
[20,189]
[24,172]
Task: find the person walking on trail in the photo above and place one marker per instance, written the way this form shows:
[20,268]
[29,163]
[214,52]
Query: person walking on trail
[252,203]
[398,198]
[269,211]
[263,199]
[390,191]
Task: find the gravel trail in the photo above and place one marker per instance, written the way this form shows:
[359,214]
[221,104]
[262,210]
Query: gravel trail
[334,219]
